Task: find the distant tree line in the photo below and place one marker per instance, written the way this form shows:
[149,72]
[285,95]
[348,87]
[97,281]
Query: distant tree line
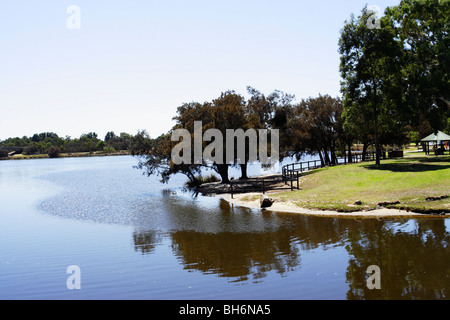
[50,143]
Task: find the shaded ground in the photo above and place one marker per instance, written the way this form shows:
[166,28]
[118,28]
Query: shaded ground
[269,184]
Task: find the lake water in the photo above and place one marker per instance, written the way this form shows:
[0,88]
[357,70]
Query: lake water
[135,238]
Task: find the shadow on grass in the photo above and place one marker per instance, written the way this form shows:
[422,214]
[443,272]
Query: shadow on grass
[435,159]
[408,167]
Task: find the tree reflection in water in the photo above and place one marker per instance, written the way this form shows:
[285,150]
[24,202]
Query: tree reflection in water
[415,264]
[145,241]
[236,255]
[245,245]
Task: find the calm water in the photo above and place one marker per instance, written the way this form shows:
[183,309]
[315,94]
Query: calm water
[134,238]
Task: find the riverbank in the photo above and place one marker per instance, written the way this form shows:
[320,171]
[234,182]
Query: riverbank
[418,186]
[252,201]
[66,155]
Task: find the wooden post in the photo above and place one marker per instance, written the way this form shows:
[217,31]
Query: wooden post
[231,189]
[264,189]
[285,175]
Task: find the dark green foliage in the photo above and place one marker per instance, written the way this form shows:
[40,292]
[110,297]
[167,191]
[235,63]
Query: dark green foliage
[53,152]
[89,142]
[3,153]
[29,150]
[110,135]
[395,78]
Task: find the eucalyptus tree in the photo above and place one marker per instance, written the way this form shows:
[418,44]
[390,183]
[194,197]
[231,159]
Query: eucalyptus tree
[316,127]
[372,83]
[422,30]
[396,74]
[271,112]
[229,113]
[156,156]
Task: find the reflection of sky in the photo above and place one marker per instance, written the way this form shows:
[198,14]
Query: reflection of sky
[408,226]
[412,227]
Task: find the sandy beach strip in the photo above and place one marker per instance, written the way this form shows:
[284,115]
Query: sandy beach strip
[290,207]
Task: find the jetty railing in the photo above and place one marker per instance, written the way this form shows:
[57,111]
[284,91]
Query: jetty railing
[291,172]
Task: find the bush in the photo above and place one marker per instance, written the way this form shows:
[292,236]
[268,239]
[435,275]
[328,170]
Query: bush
[201,180]
[109,150]
[29,150]
[53,152]
[100,145]
[3,153]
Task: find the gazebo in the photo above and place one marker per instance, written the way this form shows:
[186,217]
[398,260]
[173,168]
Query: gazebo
[440,140]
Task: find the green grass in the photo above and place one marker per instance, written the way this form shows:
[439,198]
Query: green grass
[408,180]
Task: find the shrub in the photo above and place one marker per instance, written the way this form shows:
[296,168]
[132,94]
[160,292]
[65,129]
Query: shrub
[201,180]
[100,145]
[3,153]
[109,150]
[53,152]
[29,150]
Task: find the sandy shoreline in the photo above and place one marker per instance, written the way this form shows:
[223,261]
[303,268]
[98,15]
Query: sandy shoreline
[290,207]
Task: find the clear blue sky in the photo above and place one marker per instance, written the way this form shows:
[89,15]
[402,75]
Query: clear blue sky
[134,62]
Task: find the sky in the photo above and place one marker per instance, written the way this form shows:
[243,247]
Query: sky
[126,65]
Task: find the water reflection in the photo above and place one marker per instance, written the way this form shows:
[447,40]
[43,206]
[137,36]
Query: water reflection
[224,240]
[414,264]
[245,245]
[145,241]
[236,255]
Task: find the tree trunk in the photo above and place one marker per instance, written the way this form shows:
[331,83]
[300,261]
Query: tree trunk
[377,144]
[349,152]
[192,178]
[222,169]
[334,159]
[366,144]
[327,157]
[243,171]
[322,163]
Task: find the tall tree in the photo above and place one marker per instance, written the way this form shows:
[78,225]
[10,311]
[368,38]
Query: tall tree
[259,109]
[226,114]
[109,135]
[229,113]
[370,69]
[422,29]
[187,115]
[316,127]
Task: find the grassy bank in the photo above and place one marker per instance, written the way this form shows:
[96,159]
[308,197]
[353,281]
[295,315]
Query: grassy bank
[418,184]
